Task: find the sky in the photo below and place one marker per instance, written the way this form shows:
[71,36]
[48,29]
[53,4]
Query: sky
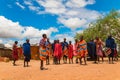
[21,19]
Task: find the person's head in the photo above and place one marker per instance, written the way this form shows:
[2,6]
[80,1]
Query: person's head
[64,39]
[54,41]
[57,41]
[27,40]
[92,40]
[70,42]
[97,38]
[110,36]
[44,36]
[76,40]
[81,38]
[16,42]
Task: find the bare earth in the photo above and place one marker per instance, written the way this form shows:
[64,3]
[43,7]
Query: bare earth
[102,71]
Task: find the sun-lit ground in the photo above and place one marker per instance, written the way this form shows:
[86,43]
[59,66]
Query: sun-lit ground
[102,71]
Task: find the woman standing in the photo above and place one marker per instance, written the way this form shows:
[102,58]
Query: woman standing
[75,49]
[99,51]
[15,53]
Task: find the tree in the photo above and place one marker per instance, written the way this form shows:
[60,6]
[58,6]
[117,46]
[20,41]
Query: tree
[103,26]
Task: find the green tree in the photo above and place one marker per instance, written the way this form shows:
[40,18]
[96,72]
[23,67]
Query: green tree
[103,26]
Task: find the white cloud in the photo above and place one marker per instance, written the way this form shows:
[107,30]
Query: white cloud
[52,6]
[9,29]
[8,45]
[79,31]
[20,5]
[62,36]
[34,8]
[15,30]
[79,3]
[1,41]
[33,32]
[31,6]
[28,2]
[73,23]
[73,12]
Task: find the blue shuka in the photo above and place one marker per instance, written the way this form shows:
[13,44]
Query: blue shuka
[110,43]
[26,51]
[64,44]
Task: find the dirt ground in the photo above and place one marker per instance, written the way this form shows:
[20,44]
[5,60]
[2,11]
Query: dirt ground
[102,71]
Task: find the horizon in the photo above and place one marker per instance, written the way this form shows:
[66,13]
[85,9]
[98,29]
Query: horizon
[21,19]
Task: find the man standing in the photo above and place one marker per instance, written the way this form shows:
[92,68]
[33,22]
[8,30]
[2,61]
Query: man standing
[43,51]
[53,49]
[26,52]
[65,50]
[110,43]
[48,47]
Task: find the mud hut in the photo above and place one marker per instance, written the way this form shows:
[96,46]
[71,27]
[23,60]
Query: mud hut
[34,52]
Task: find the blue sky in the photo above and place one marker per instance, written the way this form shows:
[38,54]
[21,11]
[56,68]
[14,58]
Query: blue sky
[21,19]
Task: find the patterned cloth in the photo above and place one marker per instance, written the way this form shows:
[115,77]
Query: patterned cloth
[110,43]
[82,51]
[65,48]
[99,51]
[43,51]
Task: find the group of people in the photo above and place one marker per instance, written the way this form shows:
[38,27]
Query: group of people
[99,49]
[62,50]
[26,53]
[67,50]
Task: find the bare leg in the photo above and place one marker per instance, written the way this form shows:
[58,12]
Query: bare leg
[76,60]
[98,59]
[112,60]
[59,61]
[27,63]
[69,61]
[72,60]
[64,58]
[80,59]
[24,63]
[48,60]
[102,59]
[85,61]
[41,67]
[109,59]
[14,62]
